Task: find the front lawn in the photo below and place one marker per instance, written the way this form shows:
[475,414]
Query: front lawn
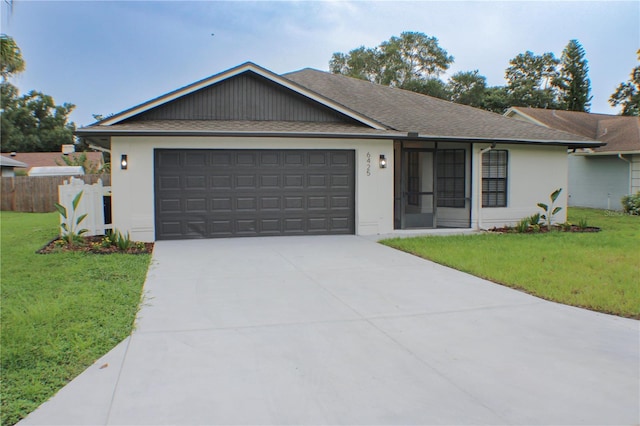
[598,271]
[60,312]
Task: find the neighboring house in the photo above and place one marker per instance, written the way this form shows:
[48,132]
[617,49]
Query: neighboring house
[8,165]
[598,177]
[251,153]
[53,159]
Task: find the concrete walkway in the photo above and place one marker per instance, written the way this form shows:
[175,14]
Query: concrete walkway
[341,330]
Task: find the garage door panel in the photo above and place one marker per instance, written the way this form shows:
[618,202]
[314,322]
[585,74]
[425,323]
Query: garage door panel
[195,182]
[246,159]
[221,182]
[293,181]
[196,205]
[168,183]
[293,203]
[227,193]
[195,160]
[168,159]
[170,205]
[270,181]
[270,159]
[293,159]
[221,159]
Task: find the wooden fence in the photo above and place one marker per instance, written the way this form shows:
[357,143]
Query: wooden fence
[37,194]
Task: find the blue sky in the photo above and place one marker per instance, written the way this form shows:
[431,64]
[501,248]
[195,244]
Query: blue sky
[106,56]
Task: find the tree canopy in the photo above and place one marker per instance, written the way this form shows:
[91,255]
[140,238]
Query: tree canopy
[398,62]
[531,80]
[574,84]
[11,61]
[627,93]
[414,61]
[468,88]
[32,122]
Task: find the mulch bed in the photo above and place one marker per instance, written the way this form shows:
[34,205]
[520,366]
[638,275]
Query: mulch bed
[93,245]
[543,229]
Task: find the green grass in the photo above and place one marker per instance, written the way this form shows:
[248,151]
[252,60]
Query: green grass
[60,312]
[598,271]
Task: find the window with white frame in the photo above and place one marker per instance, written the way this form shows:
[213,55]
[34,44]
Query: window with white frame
[494,178]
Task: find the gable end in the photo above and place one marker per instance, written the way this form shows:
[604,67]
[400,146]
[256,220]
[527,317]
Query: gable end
[245,97]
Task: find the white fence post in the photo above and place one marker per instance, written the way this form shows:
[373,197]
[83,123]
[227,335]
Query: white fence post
[91,203]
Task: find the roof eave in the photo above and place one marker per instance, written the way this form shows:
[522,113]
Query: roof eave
[393,135]
[605,153]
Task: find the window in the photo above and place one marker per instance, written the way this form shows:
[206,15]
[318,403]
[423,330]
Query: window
[414,179]
[494,178]
[451,179]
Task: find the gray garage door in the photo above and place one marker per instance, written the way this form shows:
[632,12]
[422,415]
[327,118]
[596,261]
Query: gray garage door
[235,193]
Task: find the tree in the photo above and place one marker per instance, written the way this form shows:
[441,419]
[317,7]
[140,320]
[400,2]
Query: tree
[362,63]
[496,99]
[628,94]
[468,88]
[11,61]
[574,84]
[398,62]
[431,86]
[89,167]
[33,122]
[532,80]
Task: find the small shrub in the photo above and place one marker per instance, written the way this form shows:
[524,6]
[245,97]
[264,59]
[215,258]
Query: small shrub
[522,226]
[582,223]
[566,226]
[122,241]
[534,219]
[631,204]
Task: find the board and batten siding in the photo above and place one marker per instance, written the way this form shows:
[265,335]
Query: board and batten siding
[247,97]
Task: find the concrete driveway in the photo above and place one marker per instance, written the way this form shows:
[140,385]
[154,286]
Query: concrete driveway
[341,330]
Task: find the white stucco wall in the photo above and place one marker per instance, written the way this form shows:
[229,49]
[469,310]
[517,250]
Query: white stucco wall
[533,173]
[598,181]
[133,189]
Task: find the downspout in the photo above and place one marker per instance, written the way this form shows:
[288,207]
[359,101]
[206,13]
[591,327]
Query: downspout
[630,171]
[479,197]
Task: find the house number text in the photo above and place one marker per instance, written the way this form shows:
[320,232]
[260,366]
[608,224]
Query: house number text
[368,164]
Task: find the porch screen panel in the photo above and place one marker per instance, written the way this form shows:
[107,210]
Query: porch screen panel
[451,178]
[494,178]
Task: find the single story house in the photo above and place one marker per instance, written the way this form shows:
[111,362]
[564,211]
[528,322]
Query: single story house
[248,152]
[598,176]
[8,165]
[53,159]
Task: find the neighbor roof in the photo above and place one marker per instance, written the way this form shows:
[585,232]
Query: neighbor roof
[51,159]
[10,162]
[380,111]
[620,133]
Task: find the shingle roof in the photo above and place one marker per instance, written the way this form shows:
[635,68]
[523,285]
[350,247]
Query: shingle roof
[407,111]
[51,159]
[620,133]
[395,113]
